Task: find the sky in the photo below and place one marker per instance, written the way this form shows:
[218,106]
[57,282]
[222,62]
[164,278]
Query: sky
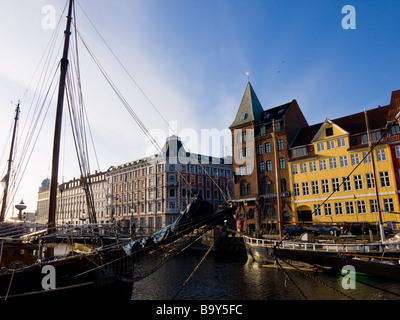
[190,58]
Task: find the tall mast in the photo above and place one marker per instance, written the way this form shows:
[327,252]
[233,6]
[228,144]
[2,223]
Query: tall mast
[7,177]
[375,179]
[277,179]
[58,123]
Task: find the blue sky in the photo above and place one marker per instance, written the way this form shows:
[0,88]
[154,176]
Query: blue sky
[190,58]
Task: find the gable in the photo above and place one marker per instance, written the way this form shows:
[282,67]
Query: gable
[329,130]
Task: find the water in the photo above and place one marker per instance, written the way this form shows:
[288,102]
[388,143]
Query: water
[222,277]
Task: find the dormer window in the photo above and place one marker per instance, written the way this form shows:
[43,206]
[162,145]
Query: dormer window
[329,132]
[244,116]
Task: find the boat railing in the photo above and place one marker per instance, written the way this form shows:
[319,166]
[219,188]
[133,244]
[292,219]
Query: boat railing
[318,246]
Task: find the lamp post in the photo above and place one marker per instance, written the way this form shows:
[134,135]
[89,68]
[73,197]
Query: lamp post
[21,206]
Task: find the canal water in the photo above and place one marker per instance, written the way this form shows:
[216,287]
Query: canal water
[226,277]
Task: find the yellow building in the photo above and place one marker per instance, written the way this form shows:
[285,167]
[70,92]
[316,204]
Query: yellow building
[332,171]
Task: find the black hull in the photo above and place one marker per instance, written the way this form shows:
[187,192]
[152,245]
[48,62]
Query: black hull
[268,253]
[77,277]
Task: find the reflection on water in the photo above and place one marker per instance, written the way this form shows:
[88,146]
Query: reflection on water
[225,278]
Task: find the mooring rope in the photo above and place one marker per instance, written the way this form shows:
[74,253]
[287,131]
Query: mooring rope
[195,269]
[287,275]
[318,280]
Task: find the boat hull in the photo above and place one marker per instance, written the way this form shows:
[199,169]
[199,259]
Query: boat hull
[335,256]
[77,276]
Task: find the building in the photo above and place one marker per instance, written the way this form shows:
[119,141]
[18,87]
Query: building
[72,206]
[150,192]
[335,178]
[260,140]
[153,191]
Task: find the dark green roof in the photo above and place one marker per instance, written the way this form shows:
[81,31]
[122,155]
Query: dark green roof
[250,108]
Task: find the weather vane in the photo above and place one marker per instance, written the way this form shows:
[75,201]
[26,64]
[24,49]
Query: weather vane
[248,74]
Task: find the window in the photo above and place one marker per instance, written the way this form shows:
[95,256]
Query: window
[397,150]
[341,142]
[384,177]
[269,165]
[335,184]
[247,152]
[264,187]
[317,210]
[296,189]
[249,189]
[267,147]
[388,204]
[322,165]
[313,166]
[343,161]
[325,186]
[242,170]
[327,209]
[367,157]
[354,159]
[248,169]
[262,166]
[338,209]
[260,149]
[394,129]
[280,144]
[242,190]
[370,180]
[346,184]
[329,132]
[375,136]
[373,206]
[320,147]
[283,185]
[349,207]
[282,163]
[330,144]
[306,191]
[358,185]
[295,169]
[332,163]
[298,152]
[380,155]
[361,207]
[303,167]
[314,187]
[244,116]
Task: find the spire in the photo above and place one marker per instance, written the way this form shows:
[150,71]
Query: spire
[250,108]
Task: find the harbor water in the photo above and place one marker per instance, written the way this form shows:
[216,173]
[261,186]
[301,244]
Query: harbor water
[226,277]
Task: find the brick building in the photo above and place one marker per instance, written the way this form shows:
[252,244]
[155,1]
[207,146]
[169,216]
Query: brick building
[260,140]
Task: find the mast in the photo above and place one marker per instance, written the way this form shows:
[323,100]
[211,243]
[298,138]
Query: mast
[7,177]
[58,123]
[277,180]
[382,232]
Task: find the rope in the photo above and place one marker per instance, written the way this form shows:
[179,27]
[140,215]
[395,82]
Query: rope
[318,280]
[195,269]
[9,286]
[287,275]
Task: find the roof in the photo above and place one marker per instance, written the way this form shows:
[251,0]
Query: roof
[274,113]
[353,124]
[250,108]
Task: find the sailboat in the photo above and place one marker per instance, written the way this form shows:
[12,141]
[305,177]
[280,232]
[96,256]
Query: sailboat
[380,258]
[106,271]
